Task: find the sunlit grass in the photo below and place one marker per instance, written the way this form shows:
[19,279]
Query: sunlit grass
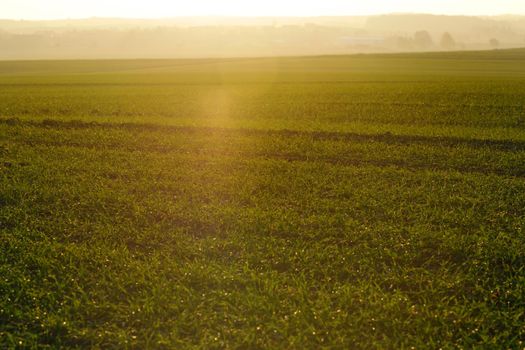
[325,207]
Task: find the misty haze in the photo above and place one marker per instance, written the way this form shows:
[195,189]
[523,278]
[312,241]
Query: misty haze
[264,36]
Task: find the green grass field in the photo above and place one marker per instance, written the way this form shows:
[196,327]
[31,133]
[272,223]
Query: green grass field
[363,202]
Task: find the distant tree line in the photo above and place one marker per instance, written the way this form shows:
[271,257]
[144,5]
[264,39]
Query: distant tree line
[422,41]
[223,41]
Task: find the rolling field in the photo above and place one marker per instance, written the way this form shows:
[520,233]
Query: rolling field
[367,202]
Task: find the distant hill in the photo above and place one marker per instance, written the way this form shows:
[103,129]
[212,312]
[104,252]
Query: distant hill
[469,29]
[254,36]
[432,23]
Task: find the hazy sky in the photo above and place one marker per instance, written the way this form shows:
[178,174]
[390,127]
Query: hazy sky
[51,9]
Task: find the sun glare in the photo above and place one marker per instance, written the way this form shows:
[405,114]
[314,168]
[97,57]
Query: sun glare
[32,9]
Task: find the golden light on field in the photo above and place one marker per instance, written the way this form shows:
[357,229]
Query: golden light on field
[29,9]
[216,106]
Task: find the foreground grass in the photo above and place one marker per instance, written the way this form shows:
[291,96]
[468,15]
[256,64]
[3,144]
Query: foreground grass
[388,214]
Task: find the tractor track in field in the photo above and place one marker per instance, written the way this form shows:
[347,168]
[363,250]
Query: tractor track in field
[388,138]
